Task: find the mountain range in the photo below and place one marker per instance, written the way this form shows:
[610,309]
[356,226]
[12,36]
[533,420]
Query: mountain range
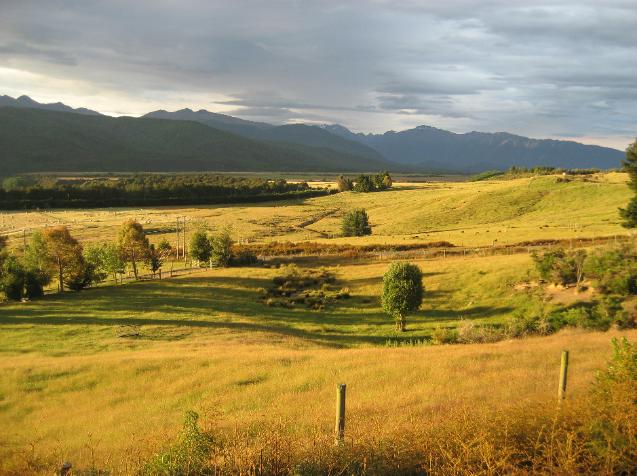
[37,137]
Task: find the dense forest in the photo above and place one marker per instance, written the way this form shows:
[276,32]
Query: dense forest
[29,192]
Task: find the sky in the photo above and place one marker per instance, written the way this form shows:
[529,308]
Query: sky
[561,69]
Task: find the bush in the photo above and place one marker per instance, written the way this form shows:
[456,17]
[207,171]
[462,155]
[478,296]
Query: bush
[614,271]
[189,455]
[470,333]
[243,257]
[444,335]
[12,282]
[34,284]
[344,184]
[18,281]
[356,223]
[560,267]
[522,324]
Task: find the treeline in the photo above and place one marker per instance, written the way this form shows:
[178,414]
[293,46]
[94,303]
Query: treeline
[55,256]
[515,172]
[145,190]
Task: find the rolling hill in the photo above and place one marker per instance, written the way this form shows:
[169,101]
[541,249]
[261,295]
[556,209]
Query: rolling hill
[35,140]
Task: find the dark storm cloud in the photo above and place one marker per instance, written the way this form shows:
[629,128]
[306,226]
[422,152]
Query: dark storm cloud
[537,68]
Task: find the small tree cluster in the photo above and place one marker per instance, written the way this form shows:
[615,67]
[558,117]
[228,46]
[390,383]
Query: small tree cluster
[356,223]
[215,249]
[373,183]
[55,254]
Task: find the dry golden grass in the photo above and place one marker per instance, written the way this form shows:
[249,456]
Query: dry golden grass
[95,407]
[464,213]
[72,388]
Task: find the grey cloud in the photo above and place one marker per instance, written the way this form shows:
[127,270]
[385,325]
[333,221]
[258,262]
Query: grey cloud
[530,67]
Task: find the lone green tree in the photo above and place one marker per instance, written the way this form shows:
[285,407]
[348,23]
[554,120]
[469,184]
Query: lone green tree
[356,223]
[629,214]
[133,244]
[221,248]
[200,246]
[402,292]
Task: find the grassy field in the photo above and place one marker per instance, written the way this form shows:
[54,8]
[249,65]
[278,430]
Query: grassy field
[463,213]
[103,377]
[226,304]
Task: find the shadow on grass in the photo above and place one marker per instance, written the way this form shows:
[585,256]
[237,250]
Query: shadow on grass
[230,304]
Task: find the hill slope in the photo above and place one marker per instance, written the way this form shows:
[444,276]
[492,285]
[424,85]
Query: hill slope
[301,134]
[478,151]
[33,140]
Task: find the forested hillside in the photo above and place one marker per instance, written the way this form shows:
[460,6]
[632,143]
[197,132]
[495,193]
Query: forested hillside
[33,140]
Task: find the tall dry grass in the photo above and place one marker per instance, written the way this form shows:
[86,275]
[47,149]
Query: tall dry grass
[472,409]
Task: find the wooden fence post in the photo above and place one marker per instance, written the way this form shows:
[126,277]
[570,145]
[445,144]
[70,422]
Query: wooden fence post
[339,428]
[561,391]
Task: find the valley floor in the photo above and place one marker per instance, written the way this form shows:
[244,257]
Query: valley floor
[104,377]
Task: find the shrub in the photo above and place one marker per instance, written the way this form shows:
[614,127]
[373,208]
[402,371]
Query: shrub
[559,267]
[612,434]
[18,281]
[34,284]
[189,455]
[356,223]
[585,317]
[614,271]
[470,333]
[243,257]
[12,282]
[402,292]
[522,324]
[444,335]
[344,184]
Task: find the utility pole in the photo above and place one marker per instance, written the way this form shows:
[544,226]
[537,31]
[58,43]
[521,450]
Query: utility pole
[184,239]
[178,238]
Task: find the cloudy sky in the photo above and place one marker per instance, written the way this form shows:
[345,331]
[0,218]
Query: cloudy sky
[561,69]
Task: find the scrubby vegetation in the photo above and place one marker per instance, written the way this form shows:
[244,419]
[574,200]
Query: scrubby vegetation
[312,289]
[595,435]
[236,349]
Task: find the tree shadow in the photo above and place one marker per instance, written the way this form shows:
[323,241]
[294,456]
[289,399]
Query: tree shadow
[231,304]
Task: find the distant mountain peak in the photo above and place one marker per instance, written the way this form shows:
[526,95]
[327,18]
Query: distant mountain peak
[25,101]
